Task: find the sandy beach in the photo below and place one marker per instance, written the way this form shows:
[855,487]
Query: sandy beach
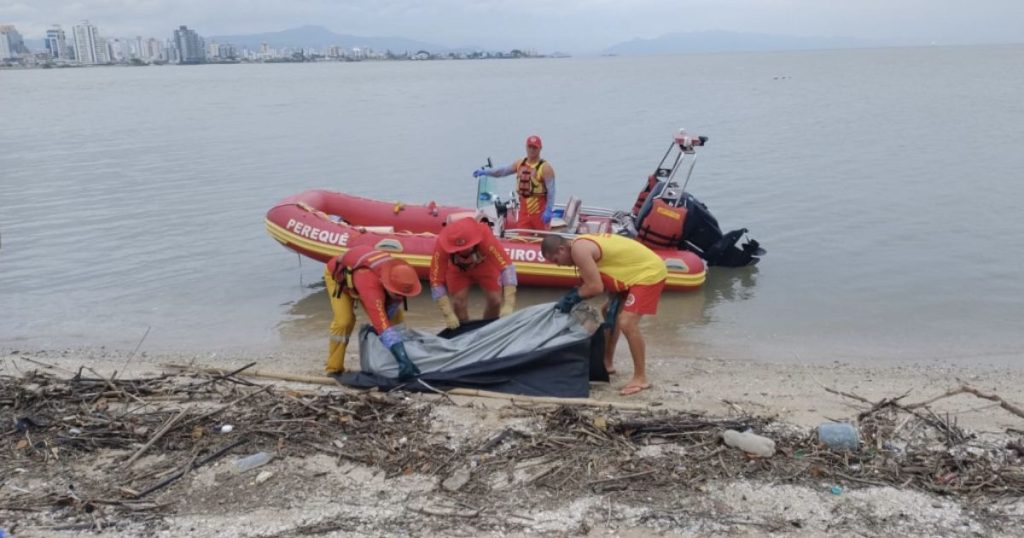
[319,495]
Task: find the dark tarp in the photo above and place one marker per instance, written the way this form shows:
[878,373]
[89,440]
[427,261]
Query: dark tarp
[534,352]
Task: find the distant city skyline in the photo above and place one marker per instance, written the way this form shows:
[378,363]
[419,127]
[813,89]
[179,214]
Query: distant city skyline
[89,46]
[578,26]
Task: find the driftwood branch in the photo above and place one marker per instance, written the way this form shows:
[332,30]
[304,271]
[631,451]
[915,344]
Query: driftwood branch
[229,405]
[512,398]
[156,437]
[191,466]
[114,388]
[848,395]
[965,389]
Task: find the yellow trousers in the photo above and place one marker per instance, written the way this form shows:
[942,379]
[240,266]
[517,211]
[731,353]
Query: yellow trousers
[342,324]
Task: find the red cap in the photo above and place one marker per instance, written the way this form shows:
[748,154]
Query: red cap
[534,140]
[460,235]
[400,278]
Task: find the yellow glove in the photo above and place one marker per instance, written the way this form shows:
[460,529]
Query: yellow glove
[450,319]
[508,305]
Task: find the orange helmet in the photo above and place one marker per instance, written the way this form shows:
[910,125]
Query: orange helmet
[400,278]
[534,140]
[460,235]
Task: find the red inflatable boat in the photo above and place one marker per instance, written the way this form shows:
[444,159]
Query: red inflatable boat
[321,224]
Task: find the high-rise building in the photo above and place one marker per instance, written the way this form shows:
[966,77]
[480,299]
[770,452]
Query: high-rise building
[138,48]
[11,43]
[171,51]
[154,50]
[119,50]
[87,44]
[56,43]
[228,51]
[191,49]
[5,48]
[102,50]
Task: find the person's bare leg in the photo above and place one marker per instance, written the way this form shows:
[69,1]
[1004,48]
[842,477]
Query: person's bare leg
[460,304]
[611,339]
[493,307]
[629,324]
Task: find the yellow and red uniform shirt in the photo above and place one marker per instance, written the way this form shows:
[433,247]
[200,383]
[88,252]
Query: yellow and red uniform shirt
[625,263]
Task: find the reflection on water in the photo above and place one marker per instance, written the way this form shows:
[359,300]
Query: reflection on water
[673,330]
[728,284]
[308,316]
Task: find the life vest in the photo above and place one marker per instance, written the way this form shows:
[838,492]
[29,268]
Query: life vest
[663,226]
[531,183]
[355,259]
[642,197]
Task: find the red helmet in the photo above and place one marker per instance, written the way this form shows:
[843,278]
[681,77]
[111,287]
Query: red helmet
[400,278]
[460,235]
[534,140]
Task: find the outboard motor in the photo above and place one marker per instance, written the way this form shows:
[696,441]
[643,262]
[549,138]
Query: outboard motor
[703,235]
[666,216]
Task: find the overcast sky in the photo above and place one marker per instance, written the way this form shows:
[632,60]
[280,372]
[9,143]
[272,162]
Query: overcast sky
[546,25]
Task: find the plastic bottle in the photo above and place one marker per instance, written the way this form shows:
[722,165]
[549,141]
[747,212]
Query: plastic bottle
[749,442]
[839,436]
[251,462]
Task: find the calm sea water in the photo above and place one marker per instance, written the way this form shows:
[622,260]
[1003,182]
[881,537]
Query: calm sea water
[885,184]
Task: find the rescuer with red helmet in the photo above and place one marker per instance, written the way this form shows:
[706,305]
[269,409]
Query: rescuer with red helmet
[467,253]
[381,283]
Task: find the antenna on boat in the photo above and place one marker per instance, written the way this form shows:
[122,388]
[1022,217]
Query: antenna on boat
[686,145]
[689,172]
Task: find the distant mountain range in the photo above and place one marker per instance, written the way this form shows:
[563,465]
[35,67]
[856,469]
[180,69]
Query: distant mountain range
[720,41]
[318,37]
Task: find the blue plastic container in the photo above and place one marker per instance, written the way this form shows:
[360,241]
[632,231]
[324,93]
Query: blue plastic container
[839,436]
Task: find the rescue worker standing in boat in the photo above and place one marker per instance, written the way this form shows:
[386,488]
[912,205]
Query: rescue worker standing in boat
[632,273]
[536,187]
[381,283]
[467,253]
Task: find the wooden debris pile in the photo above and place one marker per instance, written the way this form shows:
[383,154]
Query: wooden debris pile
[148,433]
[93,447]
